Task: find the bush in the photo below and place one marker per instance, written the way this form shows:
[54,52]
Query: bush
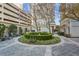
[61,33]
[38,33]
[40,42]
[38,36]
[12,30]
[41,38]
[2,29]
[52,41]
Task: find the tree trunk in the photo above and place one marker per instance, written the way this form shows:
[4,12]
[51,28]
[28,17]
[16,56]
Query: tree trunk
[36,26]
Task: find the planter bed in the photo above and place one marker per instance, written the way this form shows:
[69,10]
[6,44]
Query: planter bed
[39,39]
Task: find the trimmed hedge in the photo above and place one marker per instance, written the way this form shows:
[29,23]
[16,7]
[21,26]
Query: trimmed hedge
[38,36]
[39,42]
[61,33]
[37,33]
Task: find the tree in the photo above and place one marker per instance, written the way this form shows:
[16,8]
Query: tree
[12,30]
[33,14]
[2,29]
[70,10]
[44,11]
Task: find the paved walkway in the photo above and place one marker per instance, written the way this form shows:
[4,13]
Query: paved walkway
[12,47]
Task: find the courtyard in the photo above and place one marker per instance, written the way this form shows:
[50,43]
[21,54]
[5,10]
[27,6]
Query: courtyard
[66,47]
[33,33]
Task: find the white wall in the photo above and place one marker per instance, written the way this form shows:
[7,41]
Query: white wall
[74,29]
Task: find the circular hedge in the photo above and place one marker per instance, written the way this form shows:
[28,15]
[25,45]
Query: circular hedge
[38,35]
[40,38]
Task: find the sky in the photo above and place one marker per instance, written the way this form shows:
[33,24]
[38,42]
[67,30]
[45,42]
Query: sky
[57,13]
[26,8]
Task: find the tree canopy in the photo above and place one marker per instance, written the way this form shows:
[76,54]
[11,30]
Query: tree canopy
[70,10]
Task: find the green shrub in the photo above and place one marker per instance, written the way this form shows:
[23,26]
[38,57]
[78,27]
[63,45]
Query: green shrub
[34,33]
[40,42]
[38,36]
[12,30]
[61,33]
[46,42]
[39,33]
[2,29]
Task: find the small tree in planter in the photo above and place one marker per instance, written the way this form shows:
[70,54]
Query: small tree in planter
[2,29]
[12,30]
[20,30]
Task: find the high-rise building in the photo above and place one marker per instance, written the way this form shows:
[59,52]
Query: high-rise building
[12,14]
[20,5]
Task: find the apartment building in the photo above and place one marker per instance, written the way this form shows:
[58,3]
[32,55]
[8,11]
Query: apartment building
[12,14]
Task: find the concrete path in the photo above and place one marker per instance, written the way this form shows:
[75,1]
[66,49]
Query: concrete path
[13,47]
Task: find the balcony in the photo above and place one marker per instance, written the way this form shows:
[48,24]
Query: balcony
[11,8]
[11,13]
[11,18]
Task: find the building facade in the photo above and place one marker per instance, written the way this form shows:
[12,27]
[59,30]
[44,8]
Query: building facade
[12,14]
[70,27]
[69,23]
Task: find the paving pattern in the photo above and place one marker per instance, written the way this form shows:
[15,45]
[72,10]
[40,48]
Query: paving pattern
[14,48]
[75,39]
[20,50]
[65,50]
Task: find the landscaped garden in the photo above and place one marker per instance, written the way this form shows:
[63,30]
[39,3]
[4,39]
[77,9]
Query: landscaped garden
[39,38]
